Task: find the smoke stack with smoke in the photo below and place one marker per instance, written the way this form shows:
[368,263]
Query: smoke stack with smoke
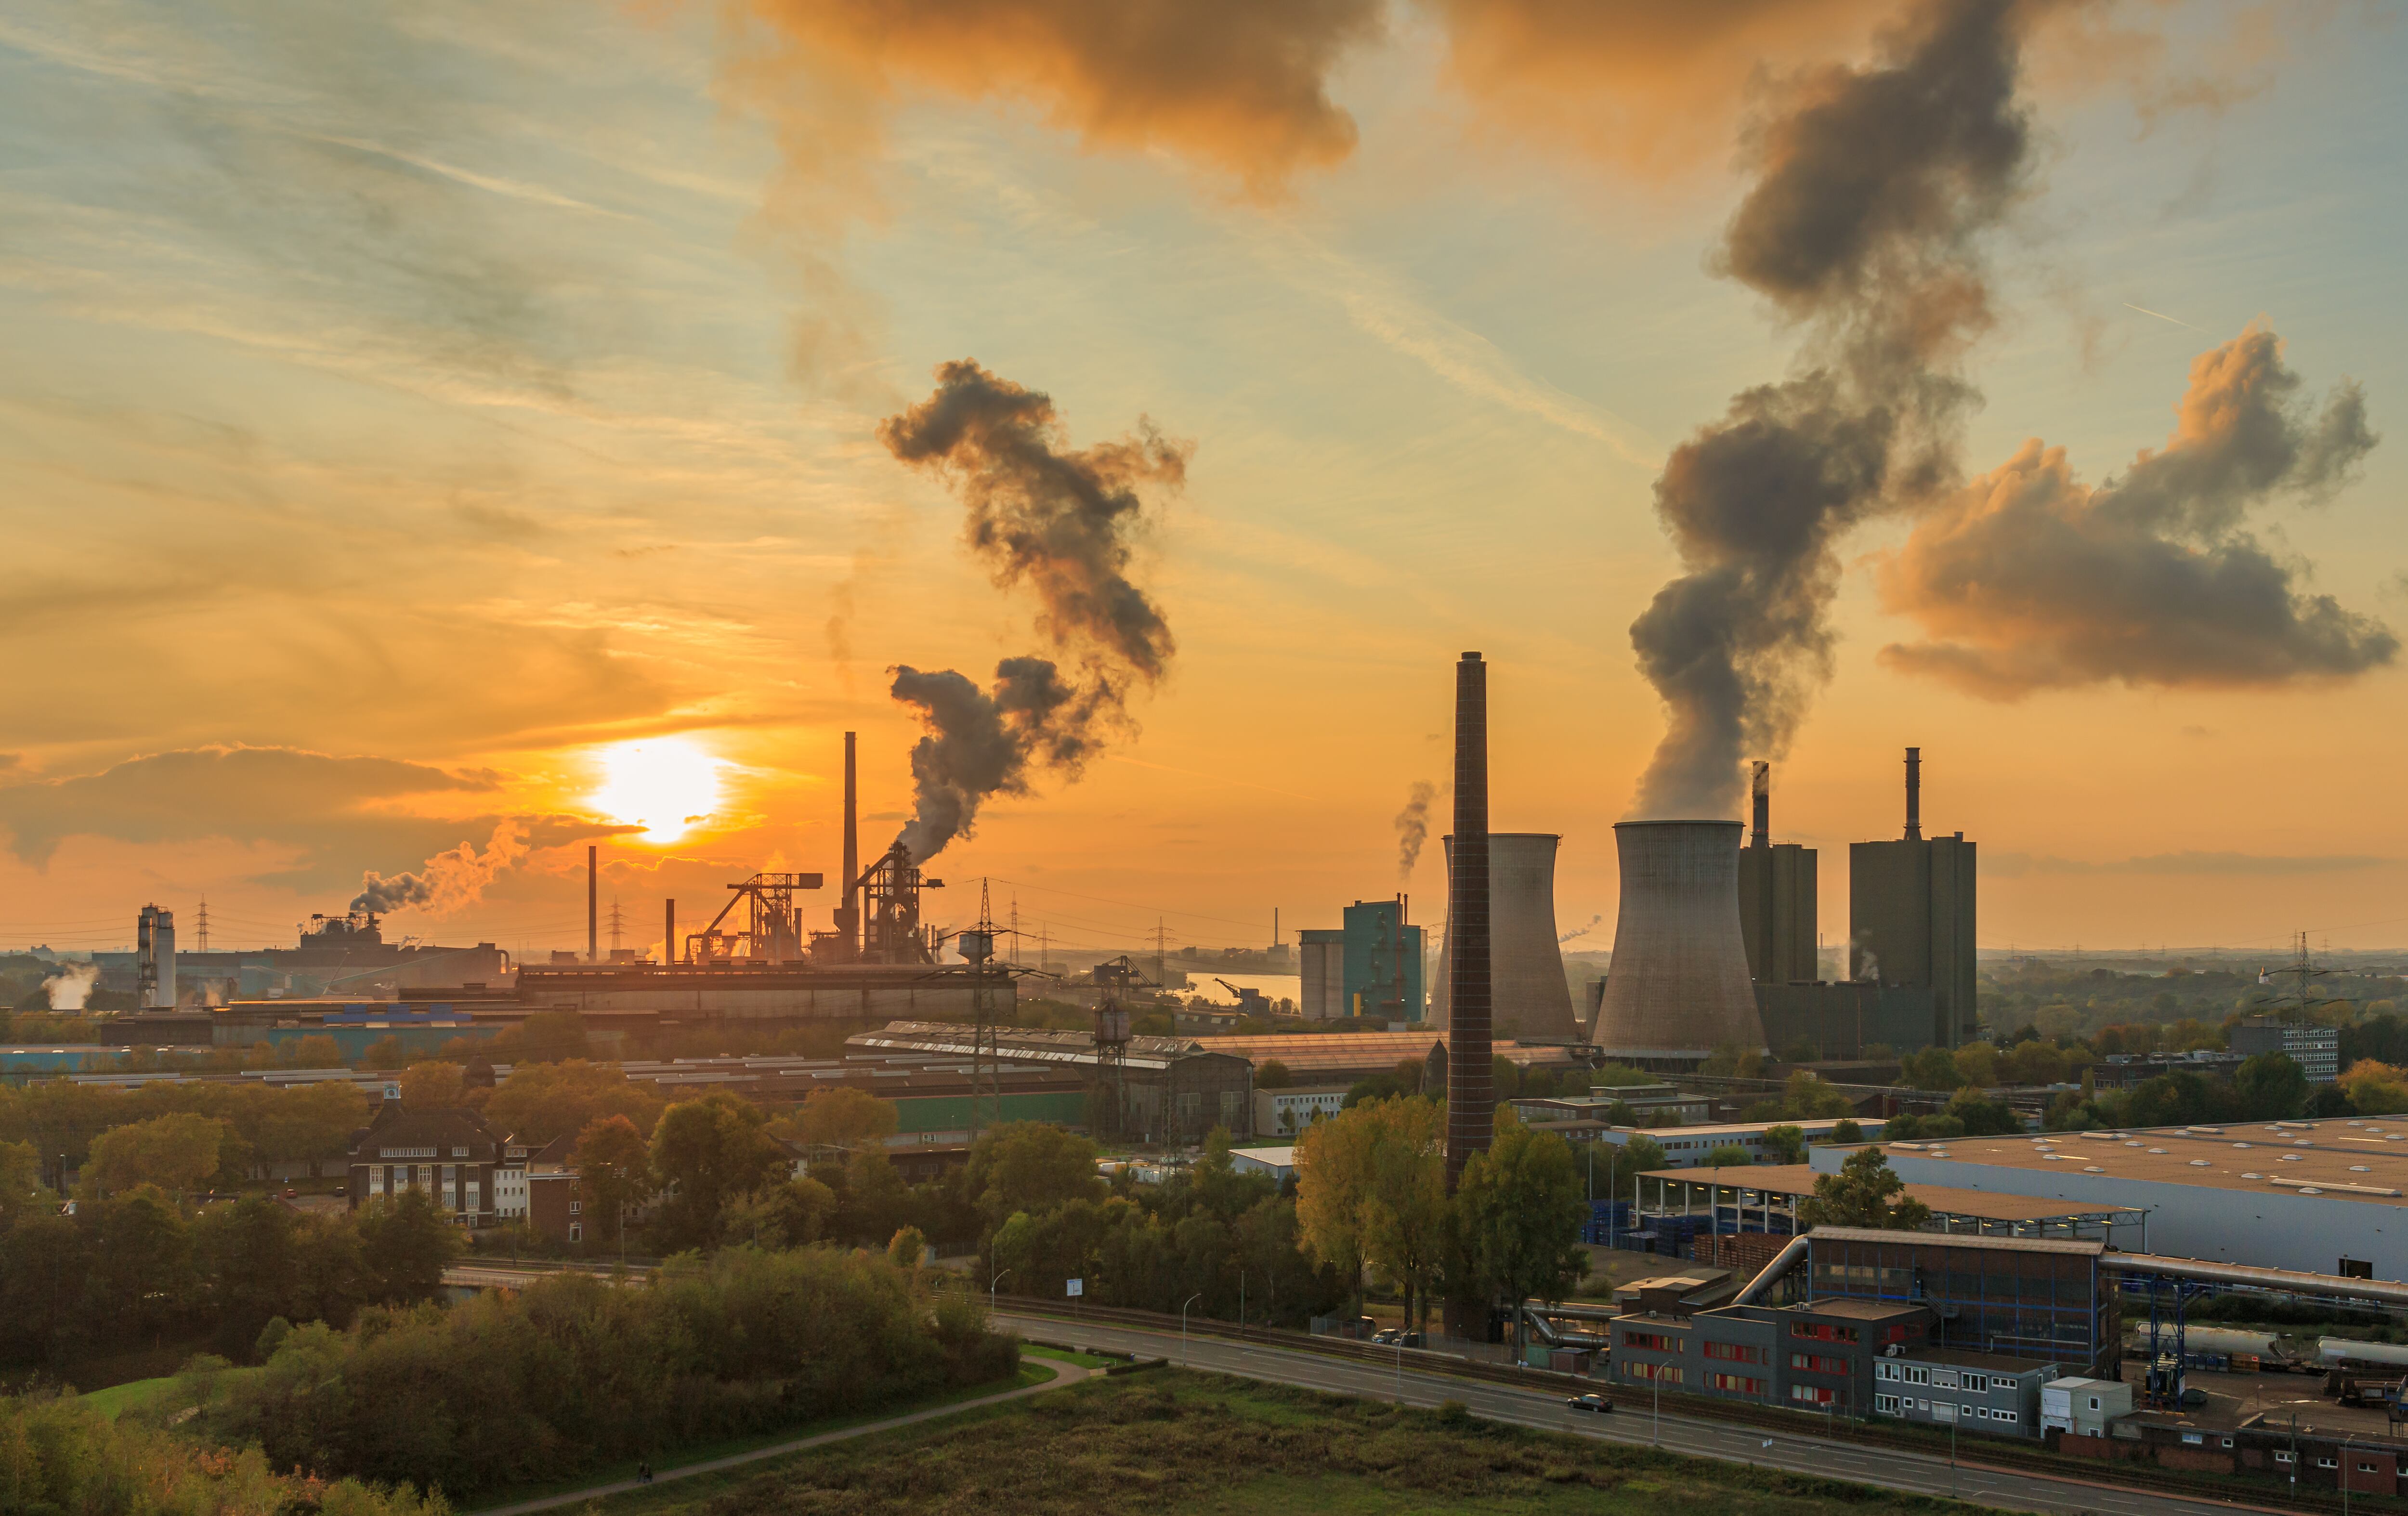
[1581,931]
[1873,189]
[1413,828]
[450,881]
[70,986]
[1062,522]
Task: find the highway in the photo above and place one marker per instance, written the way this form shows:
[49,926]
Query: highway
[1632,1422]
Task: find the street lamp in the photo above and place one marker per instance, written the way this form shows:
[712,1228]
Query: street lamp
[2343,1472]
[990,1288]
[1182,1325]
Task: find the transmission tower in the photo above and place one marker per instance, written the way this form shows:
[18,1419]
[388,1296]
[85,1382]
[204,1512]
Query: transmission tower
[618,924]
[976,946]
[202,926]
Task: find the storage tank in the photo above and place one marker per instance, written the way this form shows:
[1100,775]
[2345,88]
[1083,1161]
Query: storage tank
[1679,981]
[1529,997]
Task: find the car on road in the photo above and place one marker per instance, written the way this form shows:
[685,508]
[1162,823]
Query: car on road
[1388,1335]
[1596,1403]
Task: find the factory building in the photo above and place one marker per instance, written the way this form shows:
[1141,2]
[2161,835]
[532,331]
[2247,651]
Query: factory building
[1777,897]
[1911,916]
[1173,1089]
[1679,986]
[1530,1000]
[2315,1049]
[2321,1197]
[1370,966]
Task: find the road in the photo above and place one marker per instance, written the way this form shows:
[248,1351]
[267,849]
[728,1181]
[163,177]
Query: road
[1632,1422]
[1063,1374]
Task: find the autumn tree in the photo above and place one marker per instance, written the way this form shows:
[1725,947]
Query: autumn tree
[178,1153]
[1866,1192]
[433,1086]
[615,1171]
[1786,1143]
[1336,1168]
[704,1153]
[1030,1165]
[406,1243]
[1404,1207]
[1520,1211]
[840,1118]
[541,1101]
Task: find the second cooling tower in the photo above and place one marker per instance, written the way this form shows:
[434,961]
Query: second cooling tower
[1678,980]
[1530,998]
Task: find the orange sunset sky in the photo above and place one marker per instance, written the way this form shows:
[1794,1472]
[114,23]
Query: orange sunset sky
[424,425]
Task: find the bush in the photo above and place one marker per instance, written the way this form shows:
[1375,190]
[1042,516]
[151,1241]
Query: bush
[746,1342]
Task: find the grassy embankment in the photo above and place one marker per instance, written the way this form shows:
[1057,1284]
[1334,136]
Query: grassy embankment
[1186,1444]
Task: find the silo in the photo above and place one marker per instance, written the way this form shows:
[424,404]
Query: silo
[1679,981]
[1529,998]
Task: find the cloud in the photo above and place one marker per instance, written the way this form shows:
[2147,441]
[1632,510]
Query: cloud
[1238,88]
[335,811]
[2019,865]
[1873,190]
[1639,83]
[2029,579]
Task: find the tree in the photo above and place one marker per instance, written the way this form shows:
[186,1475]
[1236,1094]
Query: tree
[1404,1207]
[1977,1063]
[246,1263]
[1270,1074]
[1804,1094]
[1728,1155]
[384,1052]
[905,1248]
[541,1101]
[177,1153]
[1931,1068]
[141,1278]
[2375,1089]
[1866,1192]
[842,1117]
[1846,1132]
[876,1202]
[614,1169]
[705,1154]
[2273,1087]
[406,1243]
[1520,1211]
[433,1086]
[1730,1060]
[1786,1143]
[1029,1165]
[1982,1118]
[2033,1062]
[21,1181]
[794,1214]
[1334,1170]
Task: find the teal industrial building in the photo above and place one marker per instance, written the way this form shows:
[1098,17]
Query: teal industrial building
[1370,966]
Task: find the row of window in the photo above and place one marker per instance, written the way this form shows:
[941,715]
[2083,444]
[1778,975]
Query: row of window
[1946,1379]
[1653,1341]
[1669,1373]
[1736,1352]
[1815,1363]
[1735,1383]
[1890,1405]
[1822,1331]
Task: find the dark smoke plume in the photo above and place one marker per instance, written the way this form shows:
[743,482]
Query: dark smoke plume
[1864,225]
[449,880]
[1413,828]
[1061,522]
[2029,580]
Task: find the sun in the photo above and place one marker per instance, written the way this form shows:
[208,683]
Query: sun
[666,785]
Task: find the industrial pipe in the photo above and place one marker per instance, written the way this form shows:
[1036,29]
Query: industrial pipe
[2249,1277]
[1782,1262]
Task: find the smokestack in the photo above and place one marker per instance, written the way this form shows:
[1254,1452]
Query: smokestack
[1679,982]
[851,924]
[593,912]
[1471,1114]
[1914,794]
[668,935]
[1760,791]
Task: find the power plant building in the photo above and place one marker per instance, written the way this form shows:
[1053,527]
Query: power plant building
[1911,916]
[1531,1000]
[1778,899]
[1678,983]
[1372,966]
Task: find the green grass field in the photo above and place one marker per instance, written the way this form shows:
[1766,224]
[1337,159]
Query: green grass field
[1188,1444]
[120,1398]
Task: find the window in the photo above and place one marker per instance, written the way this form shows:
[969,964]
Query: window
[575,1232]
[1822,1331]
[2007,1416]
[459,1153]
[1886,1405]
[1734,1384]
[1977,1381]
[2192,1439]
[2094,1402]
[1815,1363]
[577,1207]
[2282,1457]
[1885,1369]
[1812,1394]
[1652,1341]
[1920,1376]
[2328,1463]
[2366,1468]
[1669,1373]
[1735,1353]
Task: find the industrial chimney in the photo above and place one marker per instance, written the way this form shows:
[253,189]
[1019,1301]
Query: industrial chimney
[1914,794]
[1679,981]
[1471,1077]
[1528,997]
[848,913]
[154,959]
[593,911]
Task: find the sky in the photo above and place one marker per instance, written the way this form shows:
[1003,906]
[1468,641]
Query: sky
[434,439]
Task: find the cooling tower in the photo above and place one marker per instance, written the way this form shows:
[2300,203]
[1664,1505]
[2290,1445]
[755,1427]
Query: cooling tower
[1678,980]
[1529,997]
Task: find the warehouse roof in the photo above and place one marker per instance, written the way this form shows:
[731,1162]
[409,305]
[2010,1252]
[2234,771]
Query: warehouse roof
[2340,1160]
[1944,1199]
